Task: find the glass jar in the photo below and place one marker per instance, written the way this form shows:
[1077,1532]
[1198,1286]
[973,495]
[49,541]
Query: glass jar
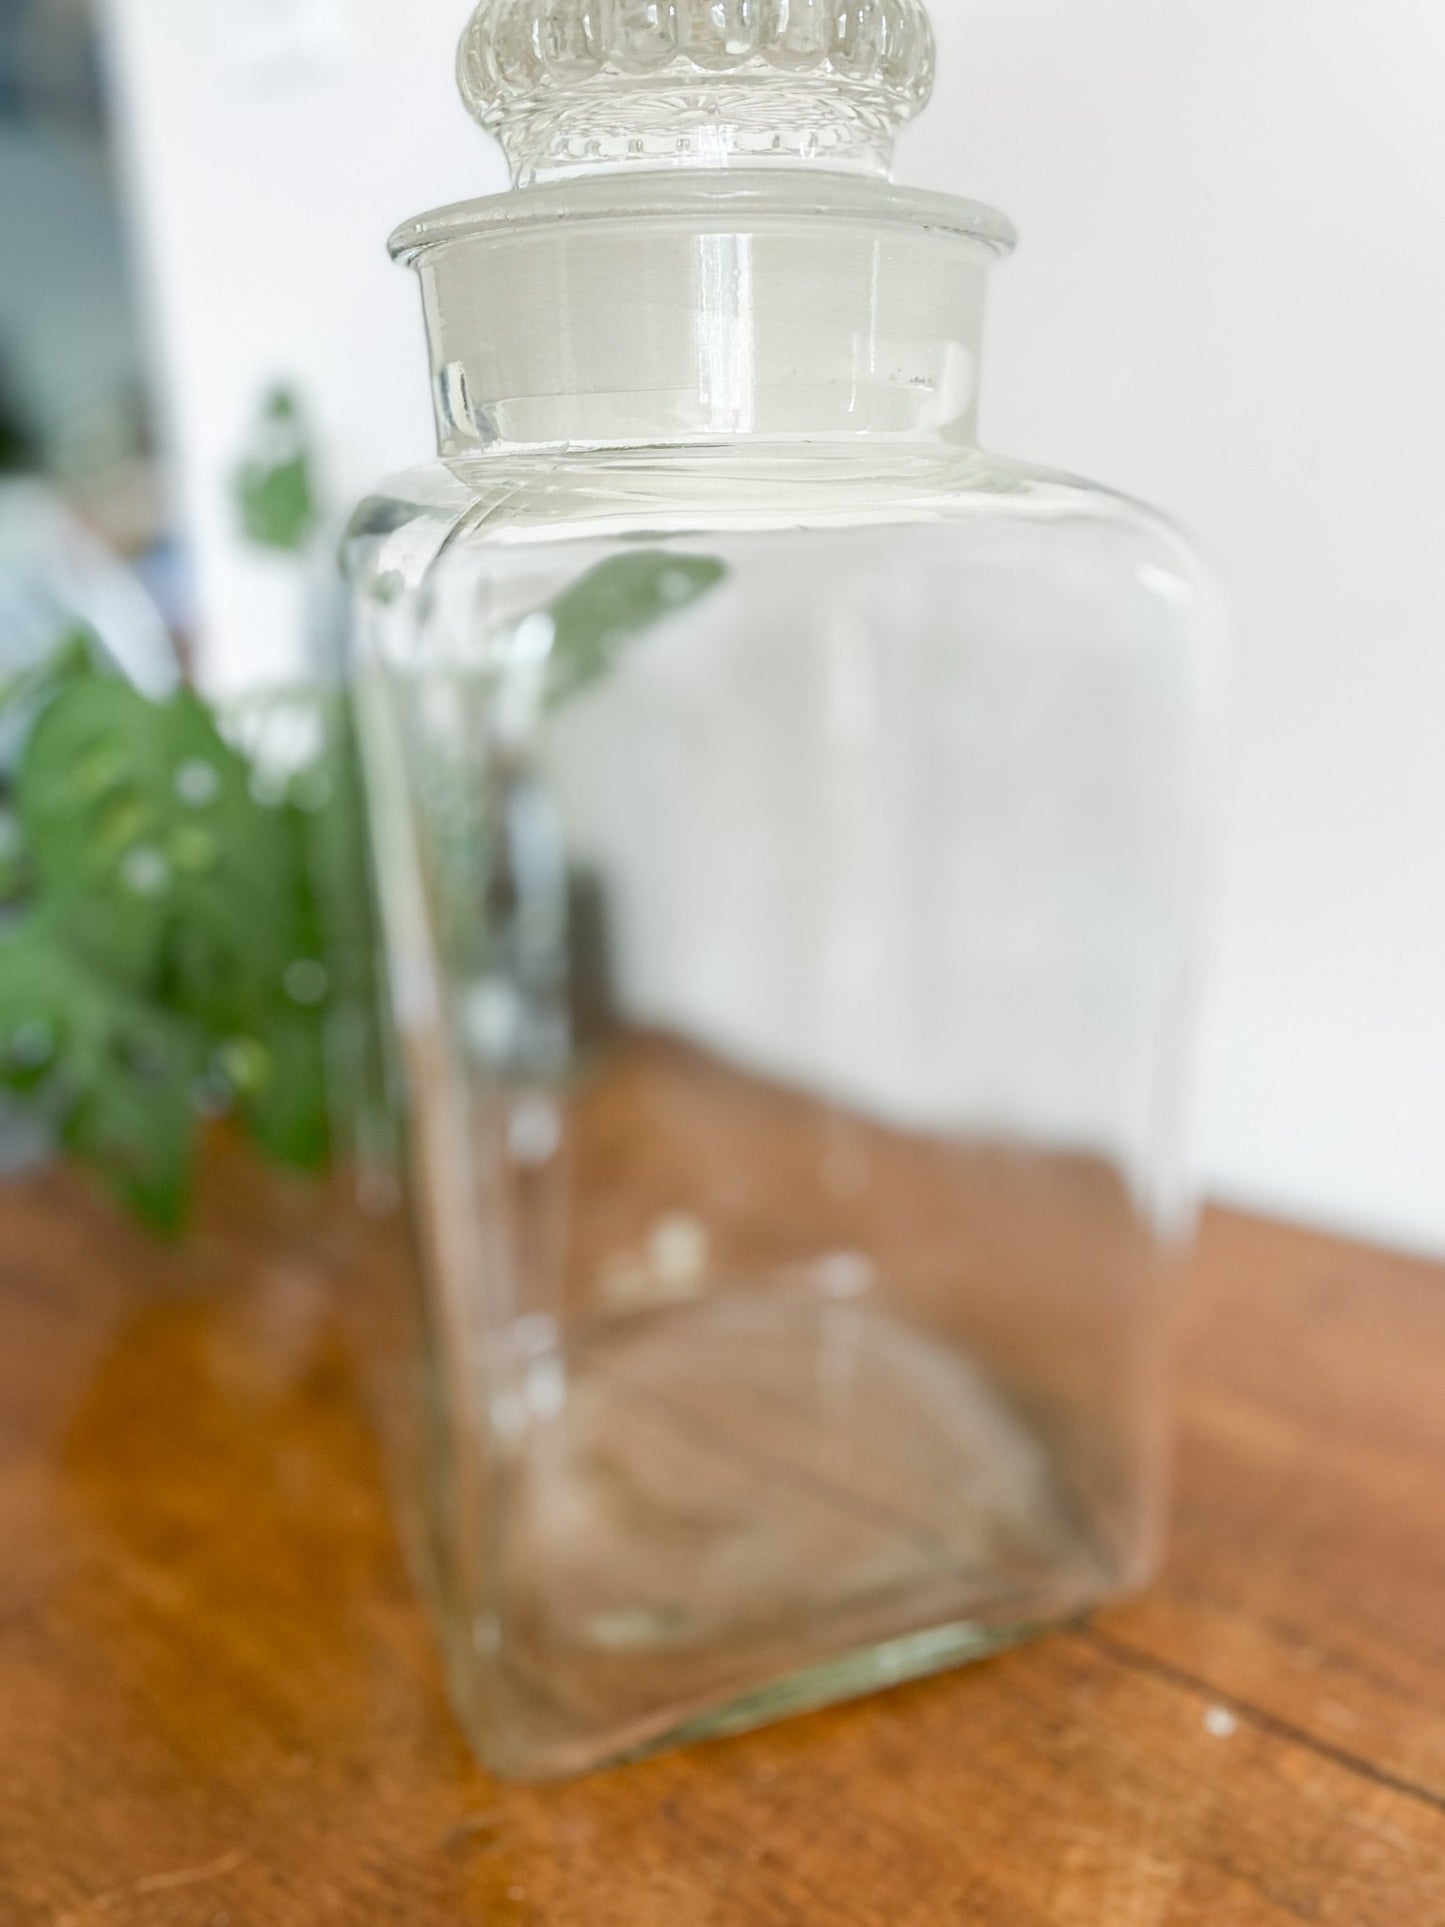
[787,831]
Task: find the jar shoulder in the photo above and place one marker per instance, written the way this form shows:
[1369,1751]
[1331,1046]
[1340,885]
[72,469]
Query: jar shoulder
[996,504]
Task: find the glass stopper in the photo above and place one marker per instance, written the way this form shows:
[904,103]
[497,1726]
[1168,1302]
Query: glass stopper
[579,86]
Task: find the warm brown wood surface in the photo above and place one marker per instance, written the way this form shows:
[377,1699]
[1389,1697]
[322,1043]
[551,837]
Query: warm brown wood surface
[219,1705]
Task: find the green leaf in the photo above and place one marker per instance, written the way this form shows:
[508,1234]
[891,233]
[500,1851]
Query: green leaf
[75,655]
[136,1123]
[274,488]
[287,1114]
[277,510]
[139,822]
[16,875]
[56,1016]
[595,619]
[115,1074]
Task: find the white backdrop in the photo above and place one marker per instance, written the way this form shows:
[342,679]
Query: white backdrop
[271,147]
[1230,300]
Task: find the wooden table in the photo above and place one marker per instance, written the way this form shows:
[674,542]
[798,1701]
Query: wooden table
[219,1705]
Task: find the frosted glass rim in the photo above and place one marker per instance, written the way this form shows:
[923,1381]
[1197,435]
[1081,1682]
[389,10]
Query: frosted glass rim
[754,195]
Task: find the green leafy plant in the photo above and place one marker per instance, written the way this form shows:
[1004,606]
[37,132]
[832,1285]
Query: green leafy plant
[179,938]
[161,952]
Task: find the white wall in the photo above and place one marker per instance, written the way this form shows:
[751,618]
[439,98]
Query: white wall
[272,145]
[1230,300]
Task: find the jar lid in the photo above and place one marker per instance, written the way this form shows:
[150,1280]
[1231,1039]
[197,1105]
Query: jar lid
[575,87]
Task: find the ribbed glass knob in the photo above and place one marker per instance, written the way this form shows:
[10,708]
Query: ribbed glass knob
[573,86]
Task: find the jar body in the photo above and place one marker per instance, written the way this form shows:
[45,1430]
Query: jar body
[790,862]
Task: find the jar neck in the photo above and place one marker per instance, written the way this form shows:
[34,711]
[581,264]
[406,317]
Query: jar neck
[567,317]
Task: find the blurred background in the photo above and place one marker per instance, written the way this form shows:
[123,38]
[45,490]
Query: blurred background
[1229,300]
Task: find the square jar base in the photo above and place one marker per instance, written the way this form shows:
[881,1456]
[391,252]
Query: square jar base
[757,1503]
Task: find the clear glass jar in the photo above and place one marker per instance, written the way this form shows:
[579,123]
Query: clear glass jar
[787,825]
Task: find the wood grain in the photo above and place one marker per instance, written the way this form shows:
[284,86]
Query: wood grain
[219,1704]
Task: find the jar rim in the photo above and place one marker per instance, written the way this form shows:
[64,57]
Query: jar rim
[732,194]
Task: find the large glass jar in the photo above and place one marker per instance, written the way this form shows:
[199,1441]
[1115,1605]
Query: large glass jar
[787,829]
